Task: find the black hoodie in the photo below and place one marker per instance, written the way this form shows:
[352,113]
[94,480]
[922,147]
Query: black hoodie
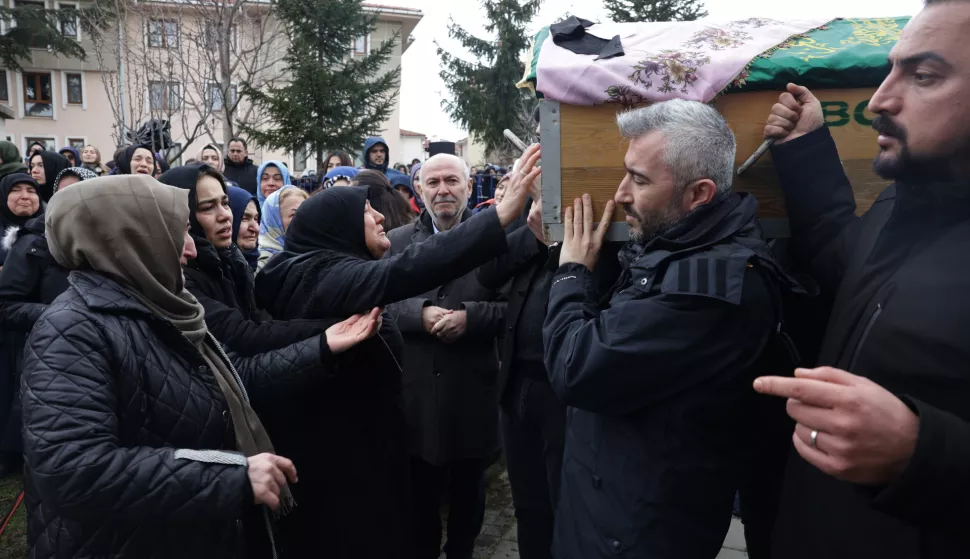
[54,163]
[243,174]
[222,281]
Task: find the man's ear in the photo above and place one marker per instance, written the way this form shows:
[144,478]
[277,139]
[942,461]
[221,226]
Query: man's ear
[699,193]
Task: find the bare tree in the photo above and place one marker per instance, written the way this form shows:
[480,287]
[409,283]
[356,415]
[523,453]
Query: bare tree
[184,62]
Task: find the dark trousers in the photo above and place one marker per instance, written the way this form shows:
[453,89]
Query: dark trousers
[533,432]
[463,482]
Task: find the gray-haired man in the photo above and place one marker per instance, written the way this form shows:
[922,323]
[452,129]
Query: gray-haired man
[659,383]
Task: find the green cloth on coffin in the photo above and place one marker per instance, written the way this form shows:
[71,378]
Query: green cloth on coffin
[846,53]
[532,62]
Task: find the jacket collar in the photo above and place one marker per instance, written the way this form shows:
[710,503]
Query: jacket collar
[103,294]
[425,225]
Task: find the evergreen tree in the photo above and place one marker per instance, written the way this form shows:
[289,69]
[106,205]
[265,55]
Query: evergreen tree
[654,10]
[33,27]
[484,99]
[333,98]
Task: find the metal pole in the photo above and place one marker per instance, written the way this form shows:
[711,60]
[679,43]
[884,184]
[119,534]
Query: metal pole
[121,79]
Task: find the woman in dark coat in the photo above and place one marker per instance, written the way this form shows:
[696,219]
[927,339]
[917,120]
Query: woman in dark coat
[139,436]
[220,277]
[350,443]
[44,167]
[135,160]
[19,203]
[241,202]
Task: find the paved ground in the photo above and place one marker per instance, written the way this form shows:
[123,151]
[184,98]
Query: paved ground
[498,540]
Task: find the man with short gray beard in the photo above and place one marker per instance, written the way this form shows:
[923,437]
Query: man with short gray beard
[660,430]
[450,376]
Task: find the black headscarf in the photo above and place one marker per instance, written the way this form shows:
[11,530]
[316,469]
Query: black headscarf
[239,199]
[7,217]
[123,160]
[331,220]
[54,163]
[187,177]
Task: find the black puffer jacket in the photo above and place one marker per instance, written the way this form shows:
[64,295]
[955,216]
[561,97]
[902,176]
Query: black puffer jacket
[115,399]
[223,282]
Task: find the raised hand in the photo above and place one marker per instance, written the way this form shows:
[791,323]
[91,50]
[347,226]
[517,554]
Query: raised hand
[348,333]
[796,113]
[520,187]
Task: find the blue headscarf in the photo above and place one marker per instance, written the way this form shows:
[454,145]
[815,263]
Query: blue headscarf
[271,235]
[239,198]
[259,175]
[337,173]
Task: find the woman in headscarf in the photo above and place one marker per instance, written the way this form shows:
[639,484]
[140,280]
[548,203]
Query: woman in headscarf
[10,161]
[44,167]
[71,154]
[140,438]
[338,158]
[219,276]
[393,206]
[245,223]
[351,442]
[338,176]
[34,148]
[416,184]
[135,160]
[272,176]
[20,204]
[91,160]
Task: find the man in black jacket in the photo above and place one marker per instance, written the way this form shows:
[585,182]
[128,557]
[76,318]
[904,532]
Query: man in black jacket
[532,417]
[883,435]
[450,368]
[239,167]
[659,381]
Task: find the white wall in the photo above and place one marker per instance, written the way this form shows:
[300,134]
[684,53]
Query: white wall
[412,147]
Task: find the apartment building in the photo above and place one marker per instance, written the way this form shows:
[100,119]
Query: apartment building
[164,62]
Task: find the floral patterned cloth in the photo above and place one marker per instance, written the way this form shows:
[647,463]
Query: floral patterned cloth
[686,60]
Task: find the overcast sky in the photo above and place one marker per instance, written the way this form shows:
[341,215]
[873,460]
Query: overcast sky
[422,88]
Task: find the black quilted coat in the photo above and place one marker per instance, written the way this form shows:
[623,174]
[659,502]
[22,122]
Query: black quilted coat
[115,402]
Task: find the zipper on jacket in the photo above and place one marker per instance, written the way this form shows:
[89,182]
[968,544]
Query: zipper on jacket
[862,340]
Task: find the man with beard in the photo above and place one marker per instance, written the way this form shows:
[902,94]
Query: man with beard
[450,372]
[883,427]
[658,381]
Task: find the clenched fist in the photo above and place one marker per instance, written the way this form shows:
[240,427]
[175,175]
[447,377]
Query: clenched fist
[268,474]
[796,113]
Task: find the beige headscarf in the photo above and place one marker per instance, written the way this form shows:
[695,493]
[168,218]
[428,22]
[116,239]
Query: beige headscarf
[131,228]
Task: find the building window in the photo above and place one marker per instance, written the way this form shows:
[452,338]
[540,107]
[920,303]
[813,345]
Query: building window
[69,20]
[362,45]
[300,157]
[212,35]
[214,96]
[163,33]
[164,96]
[75,89]
[34,41]
[47,142]
[76,143]
[4,92]
[38,100]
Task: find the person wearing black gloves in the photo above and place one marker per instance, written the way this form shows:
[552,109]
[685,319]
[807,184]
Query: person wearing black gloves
[881,458]
[351,443]
[220,277]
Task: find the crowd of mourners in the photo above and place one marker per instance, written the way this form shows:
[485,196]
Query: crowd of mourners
[210,361]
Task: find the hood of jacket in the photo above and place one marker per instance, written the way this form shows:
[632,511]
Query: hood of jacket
[123,161]
[369,144]
[54,163]
[186,177]
[7,217]
[74,151]
[259,174]
[239,198]
[402,180]
[12,163]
